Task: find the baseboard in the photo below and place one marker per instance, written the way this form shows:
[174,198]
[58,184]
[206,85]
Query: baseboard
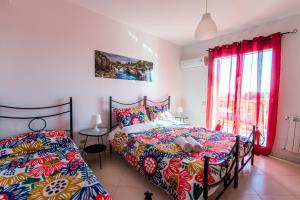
[289,160]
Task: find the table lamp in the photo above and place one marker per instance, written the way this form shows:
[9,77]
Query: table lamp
[98,121]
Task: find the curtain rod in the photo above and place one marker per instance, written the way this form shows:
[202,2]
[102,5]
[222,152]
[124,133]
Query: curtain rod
[293,31]
[284,33]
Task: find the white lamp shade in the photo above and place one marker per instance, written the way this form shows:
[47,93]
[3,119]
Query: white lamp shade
[179,109]
[206,28]
[98,119]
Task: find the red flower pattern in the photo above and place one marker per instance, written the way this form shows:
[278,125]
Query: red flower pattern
[48,168]
[74,156]
[150,165]
[135,120]
[55,134]
[14,138]
[40,160]
[131,159]
[103,197]
[178,179]
[200,176]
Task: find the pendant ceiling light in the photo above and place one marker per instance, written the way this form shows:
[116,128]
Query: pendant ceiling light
[206,28]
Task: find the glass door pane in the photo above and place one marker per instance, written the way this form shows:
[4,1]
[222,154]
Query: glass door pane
[224,92]
[256,78]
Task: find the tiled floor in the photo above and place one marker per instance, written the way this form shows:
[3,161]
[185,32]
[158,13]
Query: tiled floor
[268,179]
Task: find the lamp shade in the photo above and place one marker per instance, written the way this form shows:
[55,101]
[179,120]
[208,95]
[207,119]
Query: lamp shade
[179,109]
[206,28]
[98,119]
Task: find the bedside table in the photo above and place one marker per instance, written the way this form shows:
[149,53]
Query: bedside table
[181,118]
[95,148]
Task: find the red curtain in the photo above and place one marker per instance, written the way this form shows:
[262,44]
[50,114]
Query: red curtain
[214,75]
[275,44]
[236,97]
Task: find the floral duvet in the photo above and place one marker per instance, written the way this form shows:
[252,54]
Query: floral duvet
[45,165]
[155,155]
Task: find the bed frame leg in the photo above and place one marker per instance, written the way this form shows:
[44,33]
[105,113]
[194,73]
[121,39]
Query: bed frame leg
[237,162]
[148,195]
[253,145]
[110,149]
[205,185]
[225,182]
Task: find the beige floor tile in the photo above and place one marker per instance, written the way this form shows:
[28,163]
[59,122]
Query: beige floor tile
[159,194]
[244,191]
[278,197]
[251,170]
[244,187]
[272,166]
[127,192]
[111,171]
[265,184]
[233,196]
[112,190]
[292,183]
[133,178]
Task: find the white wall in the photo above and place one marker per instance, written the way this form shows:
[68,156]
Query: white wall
[194,92]
[289,96]
[47,54]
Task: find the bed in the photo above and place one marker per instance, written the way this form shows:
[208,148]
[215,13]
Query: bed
[45,164]
[150,148]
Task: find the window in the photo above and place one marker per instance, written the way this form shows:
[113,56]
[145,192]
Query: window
[255,81]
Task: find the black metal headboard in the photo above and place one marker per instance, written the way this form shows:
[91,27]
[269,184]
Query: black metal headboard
[113,104]
[166,102]
[42,117]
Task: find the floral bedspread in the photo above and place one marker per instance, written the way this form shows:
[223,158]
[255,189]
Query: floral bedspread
[45,165]
[155,155]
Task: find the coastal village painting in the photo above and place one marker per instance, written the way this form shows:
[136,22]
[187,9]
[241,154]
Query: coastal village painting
[108,65]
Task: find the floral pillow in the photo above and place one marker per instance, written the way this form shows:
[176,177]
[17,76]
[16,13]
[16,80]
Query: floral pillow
[130,116]
[160,112]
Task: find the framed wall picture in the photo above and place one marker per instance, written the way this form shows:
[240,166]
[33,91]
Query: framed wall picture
[108,65]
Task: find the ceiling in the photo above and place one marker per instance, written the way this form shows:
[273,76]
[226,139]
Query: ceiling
[176,20]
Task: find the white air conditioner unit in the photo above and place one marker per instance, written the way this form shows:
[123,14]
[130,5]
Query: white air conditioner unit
[193,63]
